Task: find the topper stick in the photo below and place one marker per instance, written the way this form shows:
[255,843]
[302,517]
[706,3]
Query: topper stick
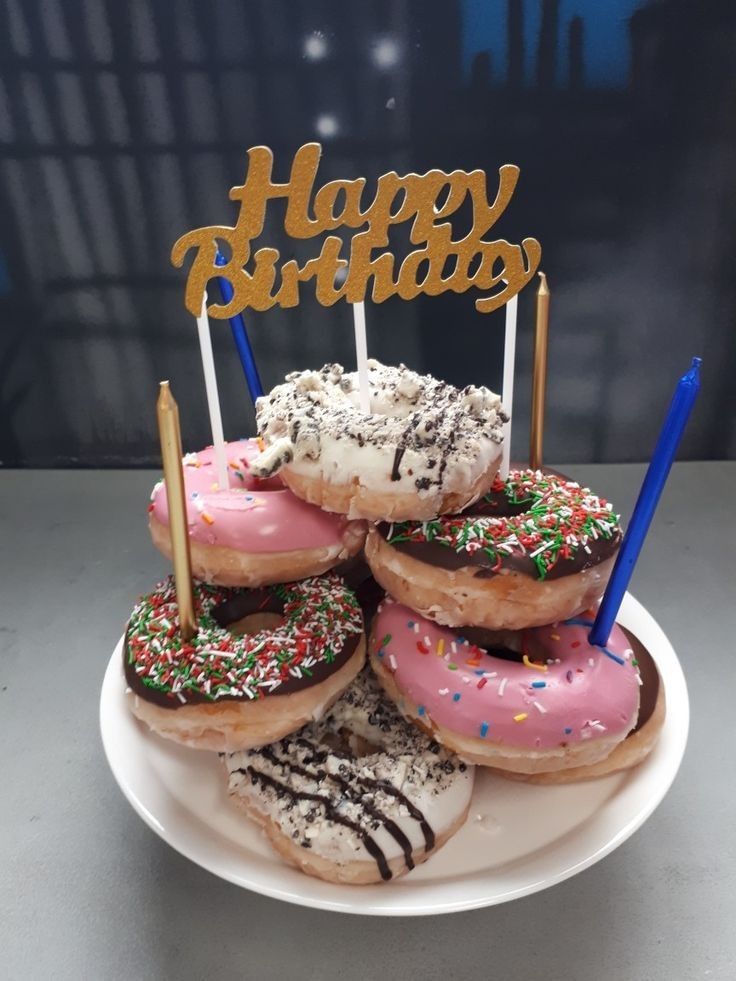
[361,354]
[240,336]
[167,414]
[213,401]
[507,393]
[539,377]
[656,476]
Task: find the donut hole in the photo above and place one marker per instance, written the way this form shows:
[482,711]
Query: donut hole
[254,623]
[351,744]
[262,485]
[509,645]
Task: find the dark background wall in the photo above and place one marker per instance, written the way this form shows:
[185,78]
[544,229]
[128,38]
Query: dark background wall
[123,125]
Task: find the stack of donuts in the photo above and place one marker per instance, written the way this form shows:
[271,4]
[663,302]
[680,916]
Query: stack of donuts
[477,591]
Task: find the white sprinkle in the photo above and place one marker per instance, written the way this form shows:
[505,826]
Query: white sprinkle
[444,691]
[180,697]
[453,647]
[502,687]
[539,708]
[591,662]
[427,642]
[392,661]
[541,548]
[416,628]
[490,674]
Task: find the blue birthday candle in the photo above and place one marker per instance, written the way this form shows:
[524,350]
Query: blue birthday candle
[240,336]
[651,490]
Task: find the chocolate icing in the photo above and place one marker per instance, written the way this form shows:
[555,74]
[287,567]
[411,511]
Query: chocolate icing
[230,611]
[650,680]
[444,557]
[496,504]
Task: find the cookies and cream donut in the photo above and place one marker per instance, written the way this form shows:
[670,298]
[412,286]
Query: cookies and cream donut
[424,449]
[536,549]
[530,701]
[359,796]
[228,688]
[254,532]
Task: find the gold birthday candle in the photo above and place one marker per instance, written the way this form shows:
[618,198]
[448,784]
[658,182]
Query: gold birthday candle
[167,413]
[539,381]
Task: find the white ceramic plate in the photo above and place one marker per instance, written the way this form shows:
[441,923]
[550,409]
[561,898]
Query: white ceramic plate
[503,852]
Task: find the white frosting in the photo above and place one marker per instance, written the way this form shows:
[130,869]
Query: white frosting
[423,436]
[431,779]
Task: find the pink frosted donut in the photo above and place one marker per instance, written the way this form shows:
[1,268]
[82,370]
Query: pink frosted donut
[529,701]
[255,532]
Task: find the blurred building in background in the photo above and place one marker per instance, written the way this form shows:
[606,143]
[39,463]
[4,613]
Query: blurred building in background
[124,125]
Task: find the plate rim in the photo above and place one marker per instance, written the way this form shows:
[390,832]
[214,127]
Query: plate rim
[677,695]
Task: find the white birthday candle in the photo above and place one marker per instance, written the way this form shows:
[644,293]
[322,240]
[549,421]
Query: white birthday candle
[507,395]
[213,401]
[361,354]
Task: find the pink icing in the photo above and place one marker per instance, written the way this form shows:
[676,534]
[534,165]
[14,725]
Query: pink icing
[252,515]
[588,691]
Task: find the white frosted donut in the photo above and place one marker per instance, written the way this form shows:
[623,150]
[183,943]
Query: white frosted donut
[426,448]
[359,796]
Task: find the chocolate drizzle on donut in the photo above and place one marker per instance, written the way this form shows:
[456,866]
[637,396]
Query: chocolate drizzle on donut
[331,812]
[395,472]
[439,429]
[322,776]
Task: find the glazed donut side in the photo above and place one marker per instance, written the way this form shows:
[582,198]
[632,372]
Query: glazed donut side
[255,532]
[354,499]
[224,690]
[229,727]
[224,566]
[425,447]
[538,548]
[566,704]
[359,796]
[458,597]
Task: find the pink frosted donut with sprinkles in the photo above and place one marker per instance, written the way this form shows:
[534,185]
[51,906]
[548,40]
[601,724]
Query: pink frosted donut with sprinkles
[254,532]
[533,701]
[538,548]
[262,663]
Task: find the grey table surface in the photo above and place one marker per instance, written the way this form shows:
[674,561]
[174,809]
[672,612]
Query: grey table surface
[88,891]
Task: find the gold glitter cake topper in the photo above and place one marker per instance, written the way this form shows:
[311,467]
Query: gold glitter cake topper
[498,268]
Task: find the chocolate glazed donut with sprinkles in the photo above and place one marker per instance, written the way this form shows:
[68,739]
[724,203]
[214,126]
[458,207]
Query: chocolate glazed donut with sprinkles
[262,662]
[538,548]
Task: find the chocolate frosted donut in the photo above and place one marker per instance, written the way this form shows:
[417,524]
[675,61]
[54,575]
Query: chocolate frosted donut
[225,689]
[536,549]
[425,448]
[359,796]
